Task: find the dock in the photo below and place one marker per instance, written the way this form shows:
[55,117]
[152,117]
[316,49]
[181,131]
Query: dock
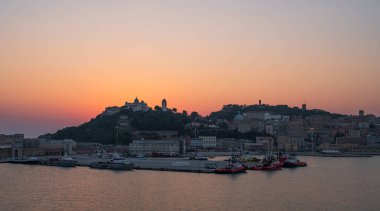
[160,164]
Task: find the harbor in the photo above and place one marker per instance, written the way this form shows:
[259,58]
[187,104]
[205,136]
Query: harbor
[95,189]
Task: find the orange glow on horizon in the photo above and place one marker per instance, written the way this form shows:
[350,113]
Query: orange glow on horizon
[66,61]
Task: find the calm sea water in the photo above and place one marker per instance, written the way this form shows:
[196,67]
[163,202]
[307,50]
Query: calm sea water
[326,184]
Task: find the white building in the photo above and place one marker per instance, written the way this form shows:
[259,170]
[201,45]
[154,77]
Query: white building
[137,105]
[267,141]
[208,141]
[262,115]
[149,147]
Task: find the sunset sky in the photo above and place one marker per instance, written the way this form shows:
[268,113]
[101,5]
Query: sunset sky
[62,62]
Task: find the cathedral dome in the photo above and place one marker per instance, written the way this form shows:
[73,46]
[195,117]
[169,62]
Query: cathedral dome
[238,117]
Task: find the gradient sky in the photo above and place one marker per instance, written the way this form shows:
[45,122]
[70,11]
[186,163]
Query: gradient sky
[62,62]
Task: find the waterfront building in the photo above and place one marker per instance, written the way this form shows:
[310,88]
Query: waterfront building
[351,140]
[296,128]
[8,140]
[154,134]
[353,132]
[42,147]
[266,141]
[137,105]
[287,144]
[208,141]
[196,143]
[250,146]
[230,144]
[5,151]
[373,141]
[151,147]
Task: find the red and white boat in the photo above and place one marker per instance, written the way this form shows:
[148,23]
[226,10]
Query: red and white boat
[270,167]
[269,163]
[293,162]
[231,168]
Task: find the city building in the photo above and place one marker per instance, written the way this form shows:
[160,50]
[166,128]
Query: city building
[266,141]
[351,140]
[42,147]
[261,115]
[230,144]
[155,147]
[287,144]
[208,141]
[373,141]
[196,143]
[8,140]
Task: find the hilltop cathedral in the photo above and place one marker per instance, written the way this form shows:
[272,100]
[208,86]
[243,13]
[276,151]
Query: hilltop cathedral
[142,106]
[137,105]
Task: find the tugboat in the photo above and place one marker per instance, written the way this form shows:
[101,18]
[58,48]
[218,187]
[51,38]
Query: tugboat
[269,163]
[293,162]
[231,168]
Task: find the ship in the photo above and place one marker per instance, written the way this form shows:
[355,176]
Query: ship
[231,168]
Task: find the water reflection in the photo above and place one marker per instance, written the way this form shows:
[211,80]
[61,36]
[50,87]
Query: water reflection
[326,184]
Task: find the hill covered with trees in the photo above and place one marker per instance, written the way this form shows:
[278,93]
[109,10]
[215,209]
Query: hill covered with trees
[103,129]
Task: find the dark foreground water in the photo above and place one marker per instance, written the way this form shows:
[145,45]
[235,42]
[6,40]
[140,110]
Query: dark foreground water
[326,184]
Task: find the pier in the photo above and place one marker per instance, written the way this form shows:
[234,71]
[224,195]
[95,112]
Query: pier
[160,164]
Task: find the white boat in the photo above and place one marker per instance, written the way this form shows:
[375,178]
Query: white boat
[113,164]
[64,161]
[68,161]
[25,160]
[116,163]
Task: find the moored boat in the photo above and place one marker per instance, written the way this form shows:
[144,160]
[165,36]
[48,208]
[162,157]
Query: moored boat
[330,151]
[116,163]
[269,167]
[26,160]
[269,163]
[113,164]
[248,158]
[293,162]
[198,157]
[64,161]
[231,168]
